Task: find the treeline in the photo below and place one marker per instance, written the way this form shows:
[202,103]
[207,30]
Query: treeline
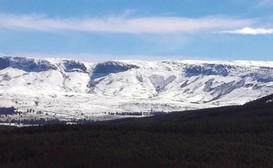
[150,113]
[38,121]
[7,110]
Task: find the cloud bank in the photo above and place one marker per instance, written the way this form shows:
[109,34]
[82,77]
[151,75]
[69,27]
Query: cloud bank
[250,31]
[154,25]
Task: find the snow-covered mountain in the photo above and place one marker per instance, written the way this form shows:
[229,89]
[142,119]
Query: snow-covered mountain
[64,88]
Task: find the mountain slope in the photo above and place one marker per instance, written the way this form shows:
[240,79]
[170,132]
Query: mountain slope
[61,88]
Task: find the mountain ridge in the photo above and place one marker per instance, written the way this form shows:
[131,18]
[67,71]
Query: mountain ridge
[68,88]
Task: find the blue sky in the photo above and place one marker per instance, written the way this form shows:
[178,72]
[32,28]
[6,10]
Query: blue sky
[95,30]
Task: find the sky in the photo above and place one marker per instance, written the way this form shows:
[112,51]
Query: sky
[98,30]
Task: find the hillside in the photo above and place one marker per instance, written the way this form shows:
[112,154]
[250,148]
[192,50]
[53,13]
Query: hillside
[68,89]
[235,136]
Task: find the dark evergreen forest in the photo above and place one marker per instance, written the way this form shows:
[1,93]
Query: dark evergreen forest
[225,137]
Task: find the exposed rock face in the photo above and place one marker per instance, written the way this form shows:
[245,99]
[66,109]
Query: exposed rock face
[74,66]
[106,68]
[26,64]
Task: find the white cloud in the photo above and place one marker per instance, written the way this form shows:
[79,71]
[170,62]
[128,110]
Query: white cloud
[154,25]
[250,31]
